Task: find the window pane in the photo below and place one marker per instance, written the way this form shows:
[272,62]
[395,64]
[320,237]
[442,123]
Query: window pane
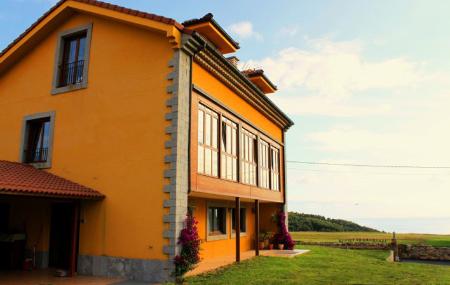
[229,168]
[208,161]
[234,169]
[224,135]
[208,129]
[234,141]
[214,132]
[217,218]
[82,48]
[201,163]
[223,166]
[228,141]
[200,126]
[214,163]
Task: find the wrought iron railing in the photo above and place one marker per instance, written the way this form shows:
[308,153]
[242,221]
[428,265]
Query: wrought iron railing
[71,73]
[35,155]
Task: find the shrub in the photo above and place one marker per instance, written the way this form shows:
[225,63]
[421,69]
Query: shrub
[190,248]
[283,236]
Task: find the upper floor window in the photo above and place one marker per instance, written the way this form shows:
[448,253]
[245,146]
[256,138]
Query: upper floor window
[228,167]
[71,64]
[274,169]
[248,157]
[264,178]
[71,68]
[37,139]
[207,162]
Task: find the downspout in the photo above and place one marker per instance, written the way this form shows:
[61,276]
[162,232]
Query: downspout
[284,177]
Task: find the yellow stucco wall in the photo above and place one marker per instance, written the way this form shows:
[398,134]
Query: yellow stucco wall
[215,88]
[109,136]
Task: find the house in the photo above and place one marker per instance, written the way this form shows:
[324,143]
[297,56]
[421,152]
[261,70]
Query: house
[114,124]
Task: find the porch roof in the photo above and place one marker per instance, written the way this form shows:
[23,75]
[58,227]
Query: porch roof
[25,180]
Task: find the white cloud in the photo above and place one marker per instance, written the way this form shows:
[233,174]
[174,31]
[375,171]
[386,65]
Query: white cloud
[336,69]
[244,30]
[326,74]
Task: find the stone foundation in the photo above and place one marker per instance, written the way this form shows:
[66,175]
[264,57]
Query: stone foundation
[423,252]
[146,270]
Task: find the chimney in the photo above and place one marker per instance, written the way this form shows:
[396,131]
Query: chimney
[233,60]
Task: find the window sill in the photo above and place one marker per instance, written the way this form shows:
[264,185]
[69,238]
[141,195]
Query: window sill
[69,88]
[243,234]
[40,165]
[216,237]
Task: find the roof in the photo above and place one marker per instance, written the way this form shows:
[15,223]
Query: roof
[259,72]
[22,179]
[208,18]
[101,4]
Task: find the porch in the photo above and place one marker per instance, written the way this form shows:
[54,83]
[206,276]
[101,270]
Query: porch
[39,223]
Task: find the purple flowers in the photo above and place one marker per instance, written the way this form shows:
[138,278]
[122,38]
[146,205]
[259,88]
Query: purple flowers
[283,236]
[190,247]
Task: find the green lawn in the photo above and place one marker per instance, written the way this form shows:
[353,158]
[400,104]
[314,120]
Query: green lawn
[325,265]
[436,240]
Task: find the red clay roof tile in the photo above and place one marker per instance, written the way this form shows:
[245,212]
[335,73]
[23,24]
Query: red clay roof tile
[22,179]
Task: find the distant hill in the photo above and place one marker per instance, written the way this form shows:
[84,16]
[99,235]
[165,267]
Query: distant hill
[299,222]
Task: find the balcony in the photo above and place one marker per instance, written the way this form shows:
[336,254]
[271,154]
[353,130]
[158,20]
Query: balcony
[36,155]
[71,73]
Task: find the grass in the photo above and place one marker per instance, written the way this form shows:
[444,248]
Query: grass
[325,265]
[436,240]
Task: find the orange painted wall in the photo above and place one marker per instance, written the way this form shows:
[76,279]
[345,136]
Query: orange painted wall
[210,84]
[227,246]
[104,135]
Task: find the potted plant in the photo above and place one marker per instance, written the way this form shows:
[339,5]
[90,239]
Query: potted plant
[270,246]
[266,240]
[262,238]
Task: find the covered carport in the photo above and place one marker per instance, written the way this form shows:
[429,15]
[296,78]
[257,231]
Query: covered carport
[39,219]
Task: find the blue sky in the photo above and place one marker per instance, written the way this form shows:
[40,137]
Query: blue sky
[364,81]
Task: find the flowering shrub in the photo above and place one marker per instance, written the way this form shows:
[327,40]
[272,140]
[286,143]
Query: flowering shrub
[283,236]
[190,248]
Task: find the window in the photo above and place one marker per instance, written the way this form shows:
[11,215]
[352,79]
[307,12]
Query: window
[207,162]
[37,139]
[264,179]
[217,221]
[242,219]
[228,167]
[71,68]
[72,60]
[248,157]
[275,169]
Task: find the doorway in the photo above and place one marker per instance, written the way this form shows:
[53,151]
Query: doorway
[62,235]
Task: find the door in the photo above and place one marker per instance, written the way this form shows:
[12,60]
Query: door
[61,235]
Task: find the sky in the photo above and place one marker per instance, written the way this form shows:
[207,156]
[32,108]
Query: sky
[366,82]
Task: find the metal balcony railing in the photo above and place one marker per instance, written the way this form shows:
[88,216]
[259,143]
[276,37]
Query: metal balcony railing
[71,73]
[35,155]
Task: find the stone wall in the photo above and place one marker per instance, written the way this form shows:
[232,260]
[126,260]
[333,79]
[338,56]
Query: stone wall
[423,252]
[378,246]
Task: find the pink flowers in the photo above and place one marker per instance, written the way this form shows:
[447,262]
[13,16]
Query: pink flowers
[190,247]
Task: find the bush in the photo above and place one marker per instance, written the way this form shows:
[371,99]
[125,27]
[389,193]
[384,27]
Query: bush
[190,248]
[283,236]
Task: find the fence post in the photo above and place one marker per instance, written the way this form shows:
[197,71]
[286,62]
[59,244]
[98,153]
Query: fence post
[395,247]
